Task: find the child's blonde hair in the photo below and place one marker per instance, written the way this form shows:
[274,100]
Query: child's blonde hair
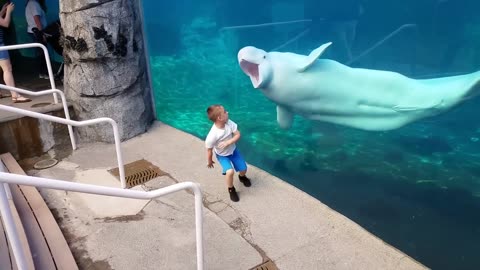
[214,111]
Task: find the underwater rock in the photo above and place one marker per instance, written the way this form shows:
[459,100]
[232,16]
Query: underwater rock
[309,163]
[424,146]
[280,165]
[394,156]
[339,156]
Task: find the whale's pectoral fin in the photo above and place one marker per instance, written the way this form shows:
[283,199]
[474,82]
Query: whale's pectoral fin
[313,56]
[432,105]
[284,117]
[399,108]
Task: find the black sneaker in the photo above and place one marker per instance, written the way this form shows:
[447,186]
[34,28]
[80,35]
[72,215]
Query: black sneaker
[244,179]
[233,194]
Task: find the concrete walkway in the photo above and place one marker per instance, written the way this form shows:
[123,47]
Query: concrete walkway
[273,219]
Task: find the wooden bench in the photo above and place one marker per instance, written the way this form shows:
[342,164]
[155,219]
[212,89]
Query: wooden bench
[45,243]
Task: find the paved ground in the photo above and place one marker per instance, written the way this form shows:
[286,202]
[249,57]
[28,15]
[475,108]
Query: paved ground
[273,219]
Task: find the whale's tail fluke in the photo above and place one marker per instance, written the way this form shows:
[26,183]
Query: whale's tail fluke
[456,89]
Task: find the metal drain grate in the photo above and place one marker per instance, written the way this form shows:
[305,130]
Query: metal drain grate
[138,172]
[267,265]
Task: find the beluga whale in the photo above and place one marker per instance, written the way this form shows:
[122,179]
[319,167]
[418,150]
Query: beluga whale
[326,90]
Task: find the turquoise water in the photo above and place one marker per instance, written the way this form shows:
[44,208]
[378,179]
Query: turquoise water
[416,187]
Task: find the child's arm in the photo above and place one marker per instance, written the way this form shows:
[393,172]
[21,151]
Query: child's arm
[209,158]
[236,137]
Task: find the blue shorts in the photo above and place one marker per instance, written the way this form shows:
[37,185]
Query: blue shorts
[4,54]
[235,158]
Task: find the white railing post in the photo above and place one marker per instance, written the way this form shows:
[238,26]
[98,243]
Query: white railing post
[7,188]
[199,224]
[9,224]
[11,229]
[116,138]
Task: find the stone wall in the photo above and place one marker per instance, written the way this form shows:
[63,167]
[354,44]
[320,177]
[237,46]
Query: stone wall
[105,68]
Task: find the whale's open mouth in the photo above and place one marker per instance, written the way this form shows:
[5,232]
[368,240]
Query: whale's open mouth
[251,69]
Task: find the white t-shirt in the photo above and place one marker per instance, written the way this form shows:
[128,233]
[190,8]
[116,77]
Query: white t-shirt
[218,135]
[33,8]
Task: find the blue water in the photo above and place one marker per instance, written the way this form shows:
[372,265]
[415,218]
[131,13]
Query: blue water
[416,187]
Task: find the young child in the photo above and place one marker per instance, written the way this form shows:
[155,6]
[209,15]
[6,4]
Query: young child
[222,138]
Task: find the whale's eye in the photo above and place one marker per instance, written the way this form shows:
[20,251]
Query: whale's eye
[264,56]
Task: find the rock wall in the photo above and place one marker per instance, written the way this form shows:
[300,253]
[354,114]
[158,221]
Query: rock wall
[105,68]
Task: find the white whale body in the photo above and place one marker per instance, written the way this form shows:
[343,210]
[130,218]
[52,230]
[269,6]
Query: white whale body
[325,90]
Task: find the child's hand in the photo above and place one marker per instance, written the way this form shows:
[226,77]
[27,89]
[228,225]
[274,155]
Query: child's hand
[210,164]
[224,144]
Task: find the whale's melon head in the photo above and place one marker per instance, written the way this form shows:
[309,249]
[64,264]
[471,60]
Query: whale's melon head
[256,64]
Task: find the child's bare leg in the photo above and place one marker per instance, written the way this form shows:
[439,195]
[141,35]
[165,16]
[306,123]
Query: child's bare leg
[229,175]
[242,173]
[243,178]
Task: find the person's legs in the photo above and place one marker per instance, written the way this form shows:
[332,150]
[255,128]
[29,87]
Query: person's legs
[231,189]
[241,167]
[41,65]
[6,66]
[229,177]
[4,57]
[227,170]
[7,72]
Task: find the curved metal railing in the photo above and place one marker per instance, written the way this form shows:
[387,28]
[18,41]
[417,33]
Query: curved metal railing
[263,24]
[380,42]
[12,234]
[47,92]
[47,59]
[116,135]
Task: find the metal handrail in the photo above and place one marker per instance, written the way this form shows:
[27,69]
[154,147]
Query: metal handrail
[47,59]
[9,223]
[295,38]
[8,178]
[389,36]
[263,24]
[46,92]
[55,119]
